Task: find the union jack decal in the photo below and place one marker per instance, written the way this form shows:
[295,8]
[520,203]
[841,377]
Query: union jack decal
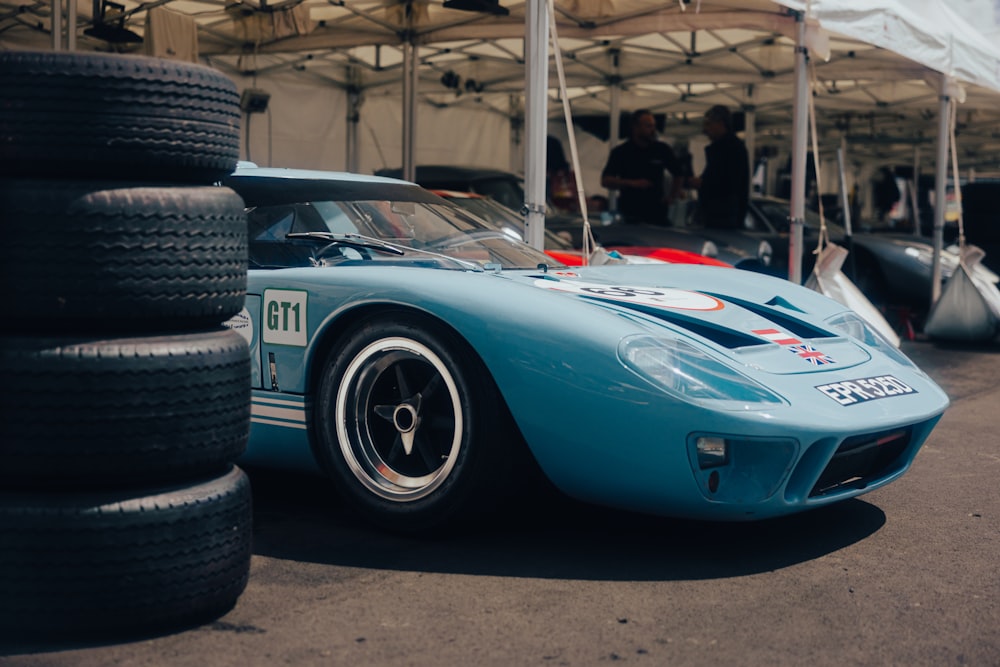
[790,342]
[811,354]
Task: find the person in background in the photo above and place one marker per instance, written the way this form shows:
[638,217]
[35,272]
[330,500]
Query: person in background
[886,193]
[724,184]
[645,172]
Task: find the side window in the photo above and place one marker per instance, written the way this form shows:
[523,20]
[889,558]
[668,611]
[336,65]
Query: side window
[267,227]
[270,224]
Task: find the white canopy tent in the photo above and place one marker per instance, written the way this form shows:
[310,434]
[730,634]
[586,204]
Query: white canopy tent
[923,31]
[675,57]
[361,84]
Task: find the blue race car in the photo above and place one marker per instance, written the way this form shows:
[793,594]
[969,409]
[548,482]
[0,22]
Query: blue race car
[427,362]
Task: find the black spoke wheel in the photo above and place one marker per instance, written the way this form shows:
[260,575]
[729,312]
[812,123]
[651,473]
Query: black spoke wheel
[410,425]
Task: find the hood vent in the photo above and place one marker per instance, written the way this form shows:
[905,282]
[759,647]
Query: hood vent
[727,336]
[785,321]
[721,335]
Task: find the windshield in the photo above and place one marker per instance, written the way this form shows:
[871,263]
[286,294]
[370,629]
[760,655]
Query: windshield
[509,221]
[426,228]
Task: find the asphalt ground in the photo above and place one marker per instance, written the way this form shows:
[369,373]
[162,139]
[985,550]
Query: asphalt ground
[906,575]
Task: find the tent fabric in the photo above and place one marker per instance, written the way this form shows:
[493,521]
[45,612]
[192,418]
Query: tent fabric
[928,32]
[171,35]
[675,57]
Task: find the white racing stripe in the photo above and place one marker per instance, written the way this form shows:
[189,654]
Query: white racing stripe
[278,412]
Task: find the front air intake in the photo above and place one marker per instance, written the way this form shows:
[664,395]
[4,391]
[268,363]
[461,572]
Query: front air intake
[861,460]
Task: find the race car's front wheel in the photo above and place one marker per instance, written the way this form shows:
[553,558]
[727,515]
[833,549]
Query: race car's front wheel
[411,425]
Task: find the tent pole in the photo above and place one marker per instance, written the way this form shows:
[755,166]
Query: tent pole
[940,186]
[57,12]
[536,65]
[71,25]
[800,130]
[915,194]
[614,116]
[409,108]
[516,106]
[750,130]
[353,121]
[352,156]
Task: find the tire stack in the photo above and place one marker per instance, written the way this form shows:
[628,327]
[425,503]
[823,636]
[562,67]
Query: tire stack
[124,401]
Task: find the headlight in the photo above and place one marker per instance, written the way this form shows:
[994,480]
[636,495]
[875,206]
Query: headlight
[684,371]
[709,249]
[853,325]
[764,253]
[712,452]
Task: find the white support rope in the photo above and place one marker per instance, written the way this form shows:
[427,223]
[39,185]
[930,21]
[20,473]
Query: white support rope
[589,244]
[956,187]
[824,235]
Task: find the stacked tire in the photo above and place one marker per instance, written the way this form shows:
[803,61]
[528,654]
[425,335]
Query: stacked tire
[125,401]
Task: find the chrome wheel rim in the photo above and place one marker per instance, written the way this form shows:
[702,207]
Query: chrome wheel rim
[399,419]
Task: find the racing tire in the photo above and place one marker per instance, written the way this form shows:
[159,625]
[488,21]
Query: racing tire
[117,256]
[411,426]
[85,412]
[77,114]
[112,563]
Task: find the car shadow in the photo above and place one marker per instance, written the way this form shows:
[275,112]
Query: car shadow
[301,519]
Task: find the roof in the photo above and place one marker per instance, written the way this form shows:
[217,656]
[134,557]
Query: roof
[433,173]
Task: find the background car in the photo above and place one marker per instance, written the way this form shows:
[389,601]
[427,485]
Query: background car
[750,254]
[503,186]
[892,269]
[431,365]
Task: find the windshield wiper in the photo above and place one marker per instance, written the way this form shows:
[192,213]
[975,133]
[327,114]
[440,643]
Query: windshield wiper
[360,241]
[352,240]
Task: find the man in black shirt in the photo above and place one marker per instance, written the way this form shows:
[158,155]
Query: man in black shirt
[637,168]
[724,185]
